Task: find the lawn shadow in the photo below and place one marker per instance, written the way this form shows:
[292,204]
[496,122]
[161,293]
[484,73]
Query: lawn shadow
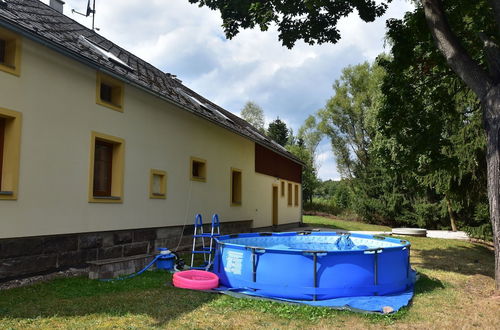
[146,295]
[425,284]
[466,260]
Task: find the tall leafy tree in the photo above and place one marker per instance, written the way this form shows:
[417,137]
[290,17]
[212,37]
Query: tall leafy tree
[347,115]
[315,21]
[278,131]
[253,114]
[310,134]
[309,173]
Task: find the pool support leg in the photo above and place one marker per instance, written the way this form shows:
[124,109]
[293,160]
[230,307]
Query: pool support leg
[315,277]
[254,266]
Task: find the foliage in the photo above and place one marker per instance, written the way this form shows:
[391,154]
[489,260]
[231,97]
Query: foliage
[430,124]
[336,195]
[311,20]
[310,134]
[278,131]
[309,175]
[346,118]
[253,114]
[327,206]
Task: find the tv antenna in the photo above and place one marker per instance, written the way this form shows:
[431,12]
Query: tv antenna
[90,11]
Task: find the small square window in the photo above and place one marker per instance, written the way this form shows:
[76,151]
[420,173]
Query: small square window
[10,52]
[236,187]
[198,169]
[109,92]
[290,197]
[158,184]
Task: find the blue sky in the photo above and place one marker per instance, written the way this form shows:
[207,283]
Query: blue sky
[188,41]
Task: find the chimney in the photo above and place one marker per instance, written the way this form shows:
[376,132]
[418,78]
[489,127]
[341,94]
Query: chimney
[57,5]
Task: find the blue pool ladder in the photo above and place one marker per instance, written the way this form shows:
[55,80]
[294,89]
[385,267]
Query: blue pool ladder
[199,234]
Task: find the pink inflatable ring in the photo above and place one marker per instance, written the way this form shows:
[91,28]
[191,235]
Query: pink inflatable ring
[195,280]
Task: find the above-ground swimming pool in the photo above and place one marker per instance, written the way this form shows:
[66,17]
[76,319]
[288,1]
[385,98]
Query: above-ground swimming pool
[313,265]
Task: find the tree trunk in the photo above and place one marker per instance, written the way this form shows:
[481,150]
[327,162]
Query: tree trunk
[453,221]
[487,91]
[492,125]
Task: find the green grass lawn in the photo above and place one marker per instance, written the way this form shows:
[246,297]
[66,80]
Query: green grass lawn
[455,290]
[315,221]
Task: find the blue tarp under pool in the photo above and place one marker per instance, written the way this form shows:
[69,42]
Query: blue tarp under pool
[366,304]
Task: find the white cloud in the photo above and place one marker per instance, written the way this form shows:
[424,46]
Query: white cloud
[188,41]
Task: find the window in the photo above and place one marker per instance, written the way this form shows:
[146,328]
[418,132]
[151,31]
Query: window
[10,52]
[296,202]
[10,141]
[282,188]
[235,187]
[290,194]
[106,169]
[158,184]
[198,171]
[109,92]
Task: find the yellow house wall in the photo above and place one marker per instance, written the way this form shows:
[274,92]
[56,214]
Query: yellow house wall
[56,97]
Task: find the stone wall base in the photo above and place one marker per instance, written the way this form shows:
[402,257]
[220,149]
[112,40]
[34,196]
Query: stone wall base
[28,256]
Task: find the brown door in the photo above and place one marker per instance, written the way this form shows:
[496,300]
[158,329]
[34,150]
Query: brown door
[103,164]
[275,205]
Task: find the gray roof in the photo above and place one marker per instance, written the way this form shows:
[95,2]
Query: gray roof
[38,21]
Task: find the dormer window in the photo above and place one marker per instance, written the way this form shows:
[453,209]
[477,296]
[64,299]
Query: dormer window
[109,92]
[10,52]
[104,53]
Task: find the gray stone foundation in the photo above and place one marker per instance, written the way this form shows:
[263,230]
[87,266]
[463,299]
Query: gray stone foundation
[28,256]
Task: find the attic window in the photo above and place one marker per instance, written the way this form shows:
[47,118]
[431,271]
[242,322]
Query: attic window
[109,92]
[104,53]
[205,106]
[10,52]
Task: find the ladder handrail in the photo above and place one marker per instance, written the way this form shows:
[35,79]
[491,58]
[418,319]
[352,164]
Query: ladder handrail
[215,231]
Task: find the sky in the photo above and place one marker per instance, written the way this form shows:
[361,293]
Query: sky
[188,41]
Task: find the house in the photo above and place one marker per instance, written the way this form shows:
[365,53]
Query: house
[102,155]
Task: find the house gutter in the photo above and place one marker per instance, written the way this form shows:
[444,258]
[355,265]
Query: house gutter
[82,59]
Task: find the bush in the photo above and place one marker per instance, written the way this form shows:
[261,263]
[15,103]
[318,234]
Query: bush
[483,232]
[323,206]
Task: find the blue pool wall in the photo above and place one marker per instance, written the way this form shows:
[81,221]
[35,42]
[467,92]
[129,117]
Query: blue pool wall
[252,262]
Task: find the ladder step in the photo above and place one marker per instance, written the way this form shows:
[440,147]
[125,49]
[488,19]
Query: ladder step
[201,252]
[206,235]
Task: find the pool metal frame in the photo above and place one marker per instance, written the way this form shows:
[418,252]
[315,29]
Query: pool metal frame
[256,250]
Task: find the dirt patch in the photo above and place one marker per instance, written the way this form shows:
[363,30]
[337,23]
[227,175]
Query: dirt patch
[480,286]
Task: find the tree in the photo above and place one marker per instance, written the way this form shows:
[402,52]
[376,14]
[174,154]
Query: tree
[316,22]
[347,115]
[310,134]
[278,131]
[253,114]
[309,173]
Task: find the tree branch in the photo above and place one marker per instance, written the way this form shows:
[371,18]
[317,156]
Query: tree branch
[456,56]
[492,56]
